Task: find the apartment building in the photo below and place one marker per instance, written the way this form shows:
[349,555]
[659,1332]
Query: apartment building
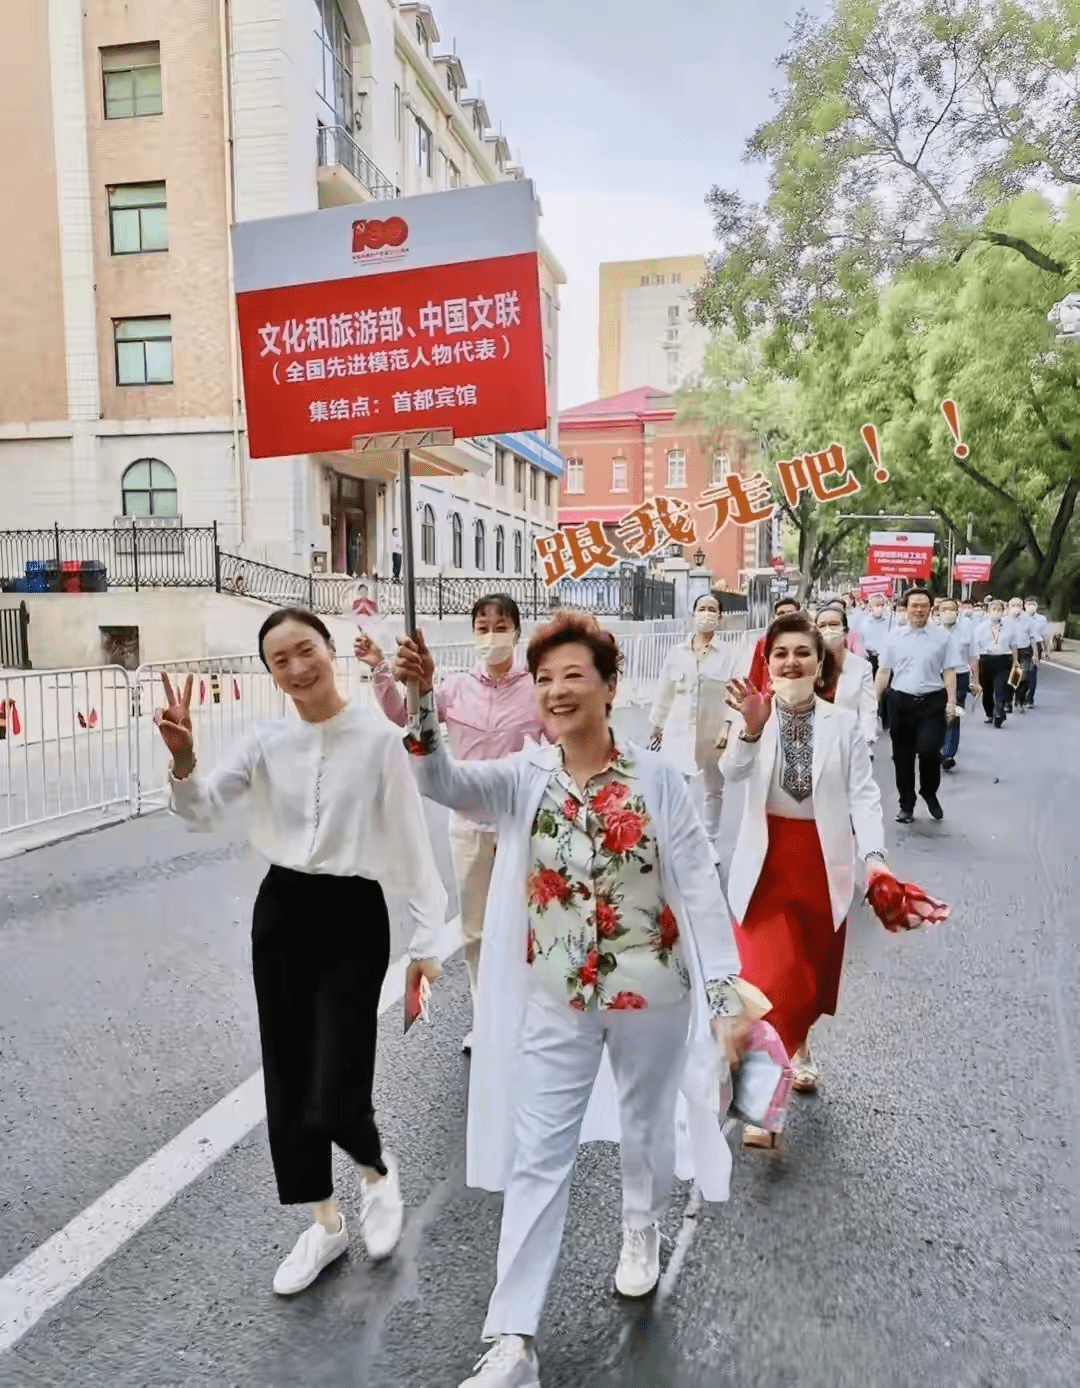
[646,327]
[622,450]
[137,132]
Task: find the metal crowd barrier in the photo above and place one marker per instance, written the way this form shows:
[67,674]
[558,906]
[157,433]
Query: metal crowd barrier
[83,741]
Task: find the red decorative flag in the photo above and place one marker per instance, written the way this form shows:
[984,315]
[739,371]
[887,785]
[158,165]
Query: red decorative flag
[16,725]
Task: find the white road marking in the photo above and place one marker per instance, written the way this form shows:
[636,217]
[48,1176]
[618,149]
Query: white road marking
[47,1275]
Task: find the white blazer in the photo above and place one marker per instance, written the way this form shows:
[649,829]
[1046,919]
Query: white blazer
[510,790]
[846,799]
[855,690]
[691,703]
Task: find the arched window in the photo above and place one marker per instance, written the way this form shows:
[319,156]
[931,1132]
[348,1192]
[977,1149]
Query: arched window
[517,551]
[479,546]
[500,549]
[148,488]
[427,536]
[456,541]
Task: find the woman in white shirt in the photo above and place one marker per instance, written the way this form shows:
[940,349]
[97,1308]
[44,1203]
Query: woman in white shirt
[336,811]
[854,688]
[690,713]
[812,810]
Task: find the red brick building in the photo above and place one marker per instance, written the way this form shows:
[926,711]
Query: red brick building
[627,448]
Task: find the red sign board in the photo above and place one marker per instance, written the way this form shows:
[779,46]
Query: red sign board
[900,556]
[973,568]
[425,317]
[868,585]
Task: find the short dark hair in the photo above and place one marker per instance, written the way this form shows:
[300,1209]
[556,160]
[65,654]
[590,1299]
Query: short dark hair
[786,602]
[839,608]
[292,614]
[917,593]
[711,594]
[575,628]
[504,606]
[945,599]
[800,622]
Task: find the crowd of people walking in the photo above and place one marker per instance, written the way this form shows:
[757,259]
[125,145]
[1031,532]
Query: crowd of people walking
[615,985]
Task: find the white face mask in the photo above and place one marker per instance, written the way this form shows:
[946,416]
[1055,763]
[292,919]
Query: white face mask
[834,636]
[794,691]
[878,611]
[949,617]
[996,615]
[1014,611]
[493,647]
[706,621]
[1031,608]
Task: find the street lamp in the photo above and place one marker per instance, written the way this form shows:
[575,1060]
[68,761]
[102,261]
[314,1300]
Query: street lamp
[1065,318]
[699,558]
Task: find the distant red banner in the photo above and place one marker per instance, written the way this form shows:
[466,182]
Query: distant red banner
[900,555]
[973,568]
[869,585]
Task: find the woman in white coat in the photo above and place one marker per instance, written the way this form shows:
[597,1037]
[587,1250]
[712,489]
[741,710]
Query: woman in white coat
[813,810]
[690,714]
[606,930]
[854,687]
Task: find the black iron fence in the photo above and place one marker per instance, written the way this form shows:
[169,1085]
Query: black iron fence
[15,637]
[56,560]
[122,556]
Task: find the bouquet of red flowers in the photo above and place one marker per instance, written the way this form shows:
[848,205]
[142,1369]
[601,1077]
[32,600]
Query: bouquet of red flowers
[903,905]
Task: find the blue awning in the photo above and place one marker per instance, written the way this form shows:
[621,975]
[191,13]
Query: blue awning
[533,448]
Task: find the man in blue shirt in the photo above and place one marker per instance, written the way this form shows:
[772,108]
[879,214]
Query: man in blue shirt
[1039,627]
[921,661]
[963,634]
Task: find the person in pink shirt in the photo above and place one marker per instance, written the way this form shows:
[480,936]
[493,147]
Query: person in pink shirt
[489,713]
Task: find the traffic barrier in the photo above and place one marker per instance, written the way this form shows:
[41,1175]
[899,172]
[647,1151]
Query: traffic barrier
[86,739]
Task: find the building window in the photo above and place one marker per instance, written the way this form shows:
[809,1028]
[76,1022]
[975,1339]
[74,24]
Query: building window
[480,546]
[422,35]
[500,549]
[478,124]
[618,475]
[676,468]
[500,467]
[148,488]
[549,490]
[451,173]
[673,313]
[423,147]
[399,109]
[575,475]
[519,477]
[517,551]
[427,536]
[456,542]
[131,73]
[335,78]
[549,309]
[676,278]
[721,466]
[143,351]
[137,218]
[534,484]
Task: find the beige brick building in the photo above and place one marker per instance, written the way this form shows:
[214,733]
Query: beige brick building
[136,132]
[647,335]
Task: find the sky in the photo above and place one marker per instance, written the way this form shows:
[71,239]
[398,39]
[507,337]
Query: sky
[624,113]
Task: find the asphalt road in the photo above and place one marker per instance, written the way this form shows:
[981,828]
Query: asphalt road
[920,1225]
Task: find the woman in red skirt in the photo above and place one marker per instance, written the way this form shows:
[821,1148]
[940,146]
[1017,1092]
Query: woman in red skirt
[812,810]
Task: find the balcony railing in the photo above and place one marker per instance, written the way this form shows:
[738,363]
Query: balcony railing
[338,149]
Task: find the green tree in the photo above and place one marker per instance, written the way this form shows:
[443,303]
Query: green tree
[902,123]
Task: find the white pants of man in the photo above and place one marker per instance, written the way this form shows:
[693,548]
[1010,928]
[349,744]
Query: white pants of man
[473,851]
[557,1063]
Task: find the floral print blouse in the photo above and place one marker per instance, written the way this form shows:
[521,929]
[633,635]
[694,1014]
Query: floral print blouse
[598,926]
[599,930]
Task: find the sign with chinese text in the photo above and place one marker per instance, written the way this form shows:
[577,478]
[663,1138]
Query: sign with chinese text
[869,585]
[421,313]
[900,555]
[973,568]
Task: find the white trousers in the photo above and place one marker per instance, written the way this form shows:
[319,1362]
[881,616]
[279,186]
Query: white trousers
[713,781]
[473,851]
[559,1056]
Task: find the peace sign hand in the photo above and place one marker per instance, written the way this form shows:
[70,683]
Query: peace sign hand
[174,724]
[752,706]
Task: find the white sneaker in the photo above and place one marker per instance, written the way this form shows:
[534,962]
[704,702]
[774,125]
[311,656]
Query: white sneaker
[315,1248]
[509,1363]
[639,1262]
[466,1044]
[382,1212]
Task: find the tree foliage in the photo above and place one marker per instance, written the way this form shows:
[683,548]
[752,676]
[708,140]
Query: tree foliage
[902,124]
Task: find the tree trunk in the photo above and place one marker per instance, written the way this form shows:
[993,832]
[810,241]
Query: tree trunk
[1044,574]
